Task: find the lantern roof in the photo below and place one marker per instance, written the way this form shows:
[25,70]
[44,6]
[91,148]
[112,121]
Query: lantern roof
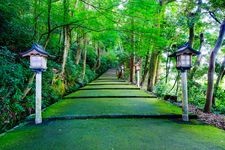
[185,49]
[36,49]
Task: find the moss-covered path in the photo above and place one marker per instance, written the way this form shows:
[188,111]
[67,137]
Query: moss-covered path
[84,120]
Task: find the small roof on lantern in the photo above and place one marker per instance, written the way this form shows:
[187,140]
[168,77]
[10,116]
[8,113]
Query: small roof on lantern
[36,49]
[185,49]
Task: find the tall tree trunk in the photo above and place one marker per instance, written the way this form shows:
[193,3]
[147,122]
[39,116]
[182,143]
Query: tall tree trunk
[157,69]
[191,34]
[98,61]
[145,70]
[192,17]
[219,78]
[35,20]
[84,57]
[211,70]
[198,61]
[132,56]
[66,48]
[132,68]
[167,68]
[66,29]
[79,50]
[49,23]
[152,70]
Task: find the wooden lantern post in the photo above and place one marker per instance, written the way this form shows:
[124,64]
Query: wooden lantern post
[38,64]
[183,63]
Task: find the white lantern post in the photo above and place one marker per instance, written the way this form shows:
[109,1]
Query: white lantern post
[137,67]
[38,64]
[183,60]
[122,71]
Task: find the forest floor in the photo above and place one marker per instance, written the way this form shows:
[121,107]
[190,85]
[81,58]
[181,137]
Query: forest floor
[112,114]
[217,120]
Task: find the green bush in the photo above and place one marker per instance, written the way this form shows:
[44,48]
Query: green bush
[13,76]
[196,93]
[220,101]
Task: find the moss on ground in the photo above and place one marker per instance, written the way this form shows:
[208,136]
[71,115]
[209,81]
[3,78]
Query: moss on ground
[102,134]
[108,93]
[123,134]
[109,106]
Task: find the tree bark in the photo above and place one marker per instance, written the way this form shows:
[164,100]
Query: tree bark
[145,69]
[167,68]
[49,23]
[191,20]
[211,71]
[219,78]
[98,61]
[79,50]
[35,20]
[198,61]
[84,60]
[157,69]
[132,68]
[66,48]
[66,37]
[152,70]
[191,35]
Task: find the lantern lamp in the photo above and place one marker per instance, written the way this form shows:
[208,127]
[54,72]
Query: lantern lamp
[137,67]
[38,58]
[184,56]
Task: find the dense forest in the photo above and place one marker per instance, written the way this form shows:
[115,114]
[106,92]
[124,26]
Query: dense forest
[87,37]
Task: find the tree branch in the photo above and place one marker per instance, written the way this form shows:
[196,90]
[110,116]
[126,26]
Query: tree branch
[212,14]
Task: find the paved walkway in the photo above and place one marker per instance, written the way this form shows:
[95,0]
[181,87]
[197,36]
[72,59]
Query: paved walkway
[112,114]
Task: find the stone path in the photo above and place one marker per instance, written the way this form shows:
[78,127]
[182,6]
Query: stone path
[112,114]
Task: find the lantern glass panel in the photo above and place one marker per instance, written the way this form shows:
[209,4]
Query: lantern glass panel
[184,60]
[38,62]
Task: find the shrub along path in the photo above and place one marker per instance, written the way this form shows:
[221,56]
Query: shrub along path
[111,114]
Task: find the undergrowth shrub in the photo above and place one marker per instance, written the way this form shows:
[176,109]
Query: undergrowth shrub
[15,74]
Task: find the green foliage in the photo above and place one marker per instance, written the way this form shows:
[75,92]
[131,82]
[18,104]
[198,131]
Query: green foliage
[161,88]
[12,82]
[220,101]
[218,3]
[91,56]
[117,28]
[197,93]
